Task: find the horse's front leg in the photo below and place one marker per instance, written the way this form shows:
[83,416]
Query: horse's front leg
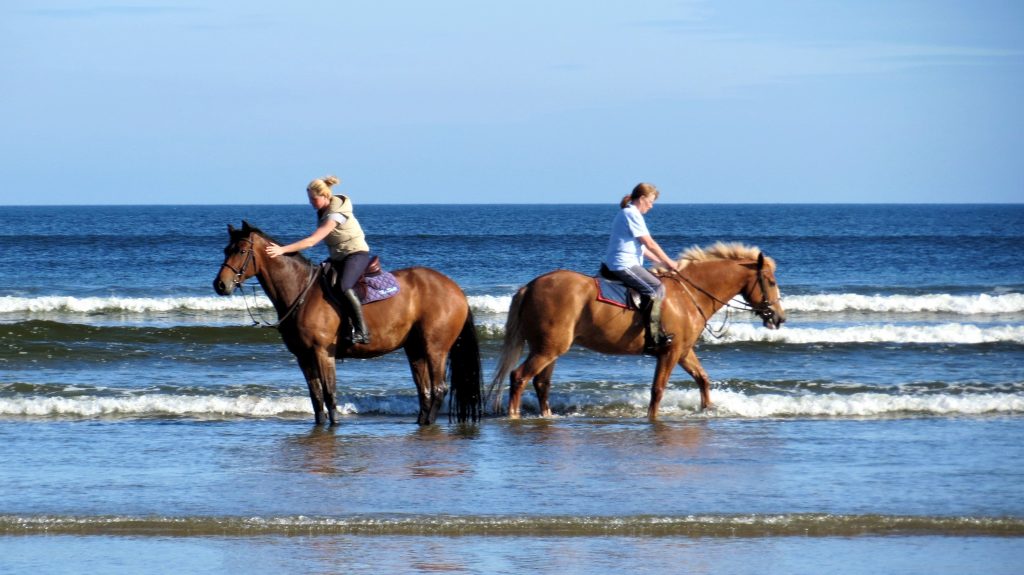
[666,362]
[692,365]
[328,382]
[311,373]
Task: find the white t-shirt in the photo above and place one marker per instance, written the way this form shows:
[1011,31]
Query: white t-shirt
[624,251]
[335,217]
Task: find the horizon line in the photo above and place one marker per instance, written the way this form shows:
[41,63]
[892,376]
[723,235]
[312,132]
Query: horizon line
[211,205]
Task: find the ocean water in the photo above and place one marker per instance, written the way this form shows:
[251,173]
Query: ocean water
[145,423]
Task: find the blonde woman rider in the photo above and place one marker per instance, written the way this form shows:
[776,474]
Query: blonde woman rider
[630,241]
[338,228]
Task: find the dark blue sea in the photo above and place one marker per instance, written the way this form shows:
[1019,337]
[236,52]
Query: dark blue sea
[146,424]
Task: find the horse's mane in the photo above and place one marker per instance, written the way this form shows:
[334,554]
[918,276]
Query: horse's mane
[251,228]
[723,251]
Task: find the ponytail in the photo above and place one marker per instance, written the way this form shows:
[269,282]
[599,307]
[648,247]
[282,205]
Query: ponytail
[641,190]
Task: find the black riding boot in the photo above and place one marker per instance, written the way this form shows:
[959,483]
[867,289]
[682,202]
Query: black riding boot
[361,334]
[655,340]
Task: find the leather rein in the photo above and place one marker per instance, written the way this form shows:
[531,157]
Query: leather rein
[239,278]
[763,309]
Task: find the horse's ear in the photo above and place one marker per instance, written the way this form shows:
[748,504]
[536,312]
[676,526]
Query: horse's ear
[760,261]
[231,230]
[245,226]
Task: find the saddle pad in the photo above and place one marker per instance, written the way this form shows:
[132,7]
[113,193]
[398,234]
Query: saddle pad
[616,293]
[377,287]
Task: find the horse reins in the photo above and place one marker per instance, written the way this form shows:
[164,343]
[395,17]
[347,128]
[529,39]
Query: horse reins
[763,309]
[238,279]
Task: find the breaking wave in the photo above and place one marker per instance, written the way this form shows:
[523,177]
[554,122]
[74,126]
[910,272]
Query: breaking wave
[979,304]
[948,333]
[620,402]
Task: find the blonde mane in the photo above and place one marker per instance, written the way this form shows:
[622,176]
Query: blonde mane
[723,251]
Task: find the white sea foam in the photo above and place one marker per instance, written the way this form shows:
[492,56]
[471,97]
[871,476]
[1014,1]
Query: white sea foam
[490,303]
[499,304]
[735,404]
[937,303]
[88,305]
[948,333]
[147,405]
[686,402]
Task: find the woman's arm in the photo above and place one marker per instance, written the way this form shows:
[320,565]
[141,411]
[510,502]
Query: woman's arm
[275,250]
[654,251]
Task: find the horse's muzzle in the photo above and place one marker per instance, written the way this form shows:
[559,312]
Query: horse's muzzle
[771,318]
[221,288]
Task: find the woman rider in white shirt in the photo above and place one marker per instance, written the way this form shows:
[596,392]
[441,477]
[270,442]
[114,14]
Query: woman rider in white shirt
[629,243]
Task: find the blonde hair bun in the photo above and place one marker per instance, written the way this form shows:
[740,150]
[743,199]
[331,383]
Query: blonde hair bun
[322,186]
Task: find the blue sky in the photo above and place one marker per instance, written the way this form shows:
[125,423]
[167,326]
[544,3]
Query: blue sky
[243,102]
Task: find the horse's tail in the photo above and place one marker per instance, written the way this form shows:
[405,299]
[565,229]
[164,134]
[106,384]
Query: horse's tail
[510,351]
[465,401]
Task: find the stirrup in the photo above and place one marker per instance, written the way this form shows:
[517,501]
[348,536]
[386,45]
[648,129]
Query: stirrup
[355,336]
[654,346]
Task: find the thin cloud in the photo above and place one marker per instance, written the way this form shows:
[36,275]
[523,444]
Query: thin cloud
[106,11]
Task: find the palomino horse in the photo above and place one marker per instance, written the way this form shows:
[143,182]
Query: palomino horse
[429,317]
[560,308]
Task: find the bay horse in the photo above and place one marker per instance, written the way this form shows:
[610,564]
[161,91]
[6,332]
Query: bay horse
[429,318]
[560,308]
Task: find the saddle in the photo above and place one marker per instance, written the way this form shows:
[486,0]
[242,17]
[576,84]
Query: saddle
[611,290]
[374,284]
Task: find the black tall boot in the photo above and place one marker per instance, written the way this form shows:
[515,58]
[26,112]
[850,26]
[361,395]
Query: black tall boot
[361,334]
[655,340]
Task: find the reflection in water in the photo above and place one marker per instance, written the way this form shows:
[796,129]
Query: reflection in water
[680,446]
[320,451]
[688,436]
[436,451]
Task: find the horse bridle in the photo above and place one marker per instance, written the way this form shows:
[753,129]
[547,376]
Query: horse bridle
[238,279]
[240,272]
[762,309]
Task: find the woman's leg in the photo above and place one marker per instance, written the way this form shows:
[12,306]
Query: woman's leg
[352,267]
[638,278]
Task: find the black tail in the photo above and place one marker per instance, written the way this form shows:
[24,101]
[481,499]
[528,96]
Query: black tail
[466,399]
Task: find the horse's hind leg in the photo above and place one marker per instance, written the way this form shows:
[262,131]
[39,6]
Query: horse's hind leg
[532,367]
[542,385]
[437,364]
[420,368]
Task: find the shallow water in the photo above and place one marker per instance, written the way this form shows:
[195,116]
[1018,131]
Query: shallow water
[572,467]
[502,554]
